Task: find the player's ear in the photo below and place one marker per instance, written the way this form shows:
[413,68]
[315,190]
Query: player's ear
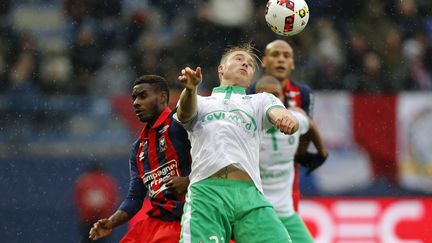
[264,62]
[163,98]
[220,69]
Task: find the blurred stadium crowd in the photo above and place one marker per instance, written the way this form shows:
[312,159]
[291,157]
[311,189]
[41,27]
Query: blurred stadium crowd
[96,47]
[64,63]
[64,57]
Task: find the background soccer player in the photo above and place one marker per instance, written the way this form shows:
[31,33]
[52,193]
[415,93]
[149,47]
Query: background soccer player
[159,166]
[277,153]
[225,130]
[278,61]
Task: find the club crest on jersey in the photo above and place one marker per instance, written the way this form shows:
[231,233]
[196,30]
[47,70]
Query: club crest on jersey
[162,143]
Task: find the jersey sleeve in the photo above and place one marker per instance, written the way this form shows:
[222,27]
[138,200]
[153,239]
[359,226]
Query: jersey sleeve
[303,121]
[137,191]
[188,126]
[307,99]
[269,102]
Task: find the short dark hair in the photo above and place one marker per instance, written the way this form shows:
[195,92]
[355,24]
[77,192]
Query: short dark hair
[158,82]
[266,79]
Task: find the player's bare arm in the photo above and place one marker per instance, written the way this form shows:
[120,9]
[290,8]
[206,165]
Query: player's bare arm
[284,120]
[312,135]
[316,139]
[190,79]
[104,227]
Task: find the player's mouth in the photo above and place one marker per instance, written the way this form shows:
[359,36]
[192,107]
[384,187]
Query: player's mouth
[243,71]
[280,69]
[139,112]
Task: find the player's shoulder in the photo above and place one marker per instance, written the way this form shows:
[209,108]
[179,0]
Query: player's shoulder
[262,96]
[301,86]
[135,146]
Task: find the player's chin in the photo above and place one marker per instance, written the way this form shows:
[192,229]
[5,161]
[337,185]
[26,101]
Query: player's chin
[280,74]
[143,118]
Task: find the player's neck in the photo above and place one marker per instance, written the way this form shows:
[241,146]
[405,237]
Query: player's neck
[284,82]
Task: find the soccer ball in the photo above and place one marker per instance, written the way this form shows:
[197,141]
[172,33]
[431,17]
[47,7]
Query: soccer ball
[286,17]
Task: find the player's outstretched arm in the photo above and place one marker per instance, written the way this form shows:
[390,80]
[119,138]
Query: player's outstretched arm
[190,79]
[104,227]
[284,120]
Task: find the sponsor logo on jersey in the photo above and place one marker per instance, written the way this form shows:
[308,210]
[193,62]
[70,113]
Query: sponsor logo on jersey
[155,179]
[237,117]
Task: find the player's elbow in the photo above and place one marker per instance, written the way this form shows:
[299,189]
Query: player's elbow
[183,116]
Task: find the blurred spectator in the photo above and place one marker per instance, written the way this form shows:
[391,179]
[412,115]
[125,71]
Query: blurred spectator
[85,57]
[357,48]
[394,61]
[56,70]
[77,10]
[95,196]
[370,78]
[23,74]
[329,56]
[373,20]
[407,18]
[414,50]
[114,76]
[135,25]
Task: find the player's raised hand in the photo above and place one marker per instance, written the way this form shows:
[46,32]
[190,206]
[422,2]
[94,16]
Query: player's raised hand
[190,78]
[100,229]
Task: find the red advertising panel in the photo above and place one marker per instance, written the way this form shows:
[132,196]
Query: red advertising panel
[368,220]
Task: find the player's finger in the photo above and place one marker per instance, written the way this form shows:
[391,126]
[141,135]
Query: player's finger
[189,71]
[92,233]
[198,71]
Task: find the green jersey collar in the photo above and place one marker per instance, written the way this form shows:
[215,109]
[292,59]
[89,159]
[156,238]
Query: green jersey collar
[229,89]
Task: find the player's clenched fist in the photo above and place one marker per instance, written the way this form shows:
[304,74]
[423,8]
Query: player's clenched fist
[190,78]
[287,124]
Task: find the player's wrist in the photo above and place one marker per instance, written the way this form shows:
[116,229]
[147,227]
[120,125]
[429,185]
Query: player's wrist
[191,89]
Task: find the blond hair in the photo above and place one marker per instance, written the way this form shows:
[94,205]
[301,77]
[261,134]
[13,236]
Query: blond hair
[246,47]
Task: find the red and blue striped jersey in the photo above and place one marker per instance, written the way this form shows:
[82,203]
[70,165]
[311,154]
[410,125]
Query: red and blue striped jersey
[298,95]
[162,151]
